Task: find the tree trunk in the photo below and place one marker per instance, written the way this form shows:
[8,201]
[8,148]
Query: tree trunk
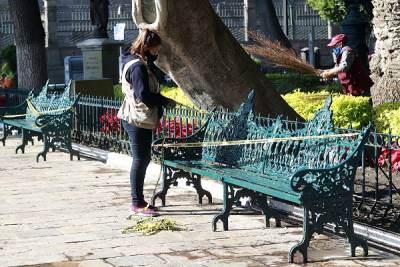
[385,63]
[203,57]
[269,22]
[30,43]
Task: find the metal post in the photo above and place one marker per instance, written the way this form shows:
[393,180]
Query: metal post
[292,13]
[250,18]
[50,22]
[285,17]
[311,56]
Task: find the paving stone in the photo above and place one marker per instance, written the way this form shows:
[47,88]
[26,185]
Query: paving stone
[94,263]
[72,213]
[139,260]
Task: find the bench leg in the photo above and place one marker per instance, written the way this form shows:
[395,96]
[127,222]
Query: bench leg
[196,181]
[72,152]
[354,239]
[46,146]
[25,138]
[171,176]
[167,180]
[305,242]
[6,132]
[261,201]
[229,200]
[30,139]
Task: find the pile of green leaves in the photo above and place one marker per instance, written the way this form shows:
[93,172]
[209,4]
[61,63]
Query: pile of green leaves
[151,226]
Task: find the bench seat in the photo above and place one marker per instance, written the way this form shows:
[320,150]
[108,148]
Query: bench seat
[23,123]
[278,184]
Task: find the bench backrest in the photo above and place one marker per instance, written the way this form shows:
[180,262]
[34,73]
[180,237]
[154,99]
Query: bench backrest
[227,127]
[322,122]
[49,103]
[282,156]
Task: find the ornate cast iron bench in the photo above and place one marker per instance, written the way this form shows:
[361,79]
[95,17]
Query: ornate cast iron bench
[313,167]
[216,129]
[47,116]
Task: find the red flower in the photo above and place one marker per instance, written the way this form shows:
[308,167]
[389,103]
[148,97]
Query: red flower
[395,158]
[110,123]
[172,128]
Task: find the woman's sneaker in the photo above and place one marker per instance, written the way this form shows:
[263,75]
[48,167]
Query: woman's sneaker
[150,206]
[144,210]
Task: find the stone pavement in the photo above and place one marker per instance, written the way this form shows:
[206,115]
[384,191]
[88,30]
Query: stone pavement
[71,213]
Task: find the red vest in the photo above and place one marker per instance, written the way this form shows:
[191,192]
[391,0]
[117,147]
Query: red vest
[356,80]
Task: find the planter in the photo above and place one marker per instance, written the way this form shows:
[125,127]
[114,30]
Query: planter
[7,83]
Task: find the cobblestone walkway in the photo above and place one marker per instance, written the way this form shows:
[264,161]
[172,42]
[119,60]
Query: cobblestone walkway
[71,213]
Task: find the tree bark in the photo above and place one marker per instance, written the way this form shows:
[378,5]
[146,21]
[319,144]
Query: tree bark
[269,23]
[385,64]
[203,57]
[30,43]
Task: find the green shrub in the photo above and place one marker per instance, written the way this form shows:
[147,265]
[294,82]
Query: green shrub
[288,82]
[177,94]
[387,116]
[9,55]
[118,91]
[174,93]
[347,110]
[354,111]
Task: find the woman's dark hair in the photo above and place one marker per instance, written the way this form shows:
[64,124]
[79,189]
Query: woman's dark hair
[145,40]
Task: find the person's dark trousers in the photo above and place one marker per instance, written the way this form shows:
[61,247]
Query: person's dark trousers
[140,139]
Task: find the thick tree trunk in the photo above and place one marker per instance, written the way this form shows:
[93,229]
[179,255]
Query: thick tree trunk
[30,43]
[269,23]
[203,57]
[385,63]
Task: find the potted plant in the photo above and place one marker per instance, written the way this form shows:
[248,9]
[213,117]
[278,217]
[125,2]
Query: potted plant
[7,76]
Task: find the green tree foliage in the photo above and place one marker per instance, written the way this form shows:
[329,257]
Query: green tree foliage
[333,10]
[336,10]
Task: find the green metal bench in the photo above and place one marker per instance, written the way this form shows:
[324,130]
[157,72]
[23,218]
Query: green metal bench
[216,129]
[313,167]
[47,116]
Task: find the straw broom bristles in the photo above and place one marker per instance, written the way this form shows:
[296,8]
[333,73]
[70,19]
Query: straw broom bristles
[279,55]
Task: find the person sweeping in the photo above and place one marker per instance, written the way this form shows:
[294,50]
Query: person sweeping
[349,68]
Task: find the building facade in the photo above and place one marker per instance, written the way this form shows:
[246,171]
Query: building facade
[68,22]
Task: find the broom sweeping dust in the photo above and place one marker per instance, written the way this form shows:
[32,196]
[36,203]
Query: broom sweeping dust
[279,55]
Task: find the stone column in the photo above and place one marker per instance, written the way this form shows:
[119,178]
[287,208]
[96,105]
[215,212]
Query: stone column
[385,62]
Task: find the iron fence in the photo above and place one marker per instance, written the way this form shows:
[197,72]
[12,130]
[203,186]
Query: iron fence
[377,194]
[377,185]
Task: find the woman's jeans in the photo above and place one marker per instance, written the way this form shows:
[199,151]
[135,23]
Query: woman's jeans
[140,139]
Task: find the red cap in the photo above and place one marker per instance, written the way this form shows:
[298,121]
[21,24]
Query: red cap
[337,39]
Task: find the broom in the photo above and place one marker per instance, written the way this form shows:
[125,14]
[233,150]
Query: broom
[279,55]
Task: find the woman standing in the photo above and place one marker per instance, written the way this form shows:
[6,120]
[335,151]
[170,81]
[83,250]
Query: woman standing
[141,111]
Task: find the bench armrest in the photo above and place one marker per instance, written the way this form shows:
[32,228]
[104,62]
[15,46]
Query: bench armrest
[55,122]
[184,153]
[335,179]
[319,183]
